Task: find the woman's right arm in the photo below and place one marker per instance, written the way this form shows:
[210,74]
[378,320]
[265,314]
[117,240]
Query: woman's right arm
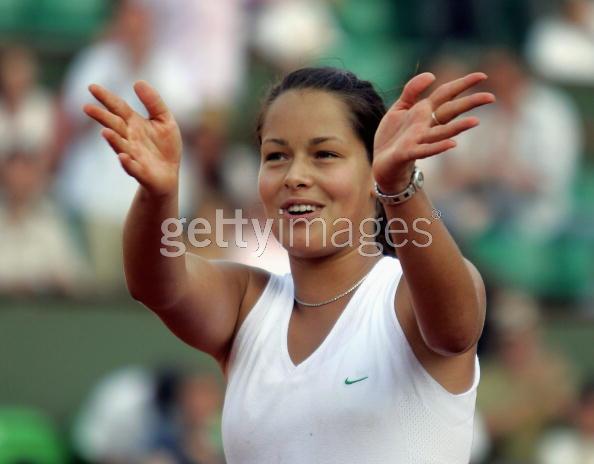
[197,299]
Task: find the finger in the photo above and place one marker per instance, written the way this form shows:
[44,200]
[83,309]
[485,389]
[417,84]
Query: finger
[451,90]
[447,131]
[117,143]
[455,108]
[413,90]
[106,119]
[132,167]
[151,100]
[431,149]
[112,102]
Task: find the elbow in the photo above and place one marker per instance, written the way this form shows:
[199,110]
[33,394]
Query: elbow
[453,346]
[155,303]
[156,299]
[135,291]
[138,295]
[459,333]
[135,294]
[138,290]
[454,342]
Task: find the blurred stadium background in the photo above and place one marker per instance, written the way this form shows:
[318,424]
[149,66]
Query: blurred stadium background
[89,376]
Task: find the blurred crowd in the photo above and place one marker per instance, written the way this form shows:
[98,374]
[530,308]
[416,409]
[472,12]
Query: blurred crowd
[132,416]
[517,193]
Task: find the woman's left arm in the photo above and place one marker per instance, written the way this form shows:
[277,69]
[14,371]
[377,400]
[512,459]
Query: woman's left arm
[444,290]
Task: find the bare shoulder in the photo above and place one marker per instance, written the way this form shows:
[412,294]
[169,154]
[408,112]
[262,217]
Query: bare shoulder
[219,296]
[246,282]
[454,373]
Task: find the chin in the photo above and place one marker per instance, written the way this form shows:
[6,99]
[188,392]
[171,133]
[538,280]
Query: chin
[310,252]
[300,247]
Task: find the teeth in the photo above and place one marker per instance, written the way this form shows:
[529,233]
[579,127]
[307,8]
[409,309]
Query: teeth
[301,208]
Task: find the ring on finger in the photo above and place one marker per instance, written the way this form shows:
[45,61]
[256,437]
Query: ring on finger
[435,120]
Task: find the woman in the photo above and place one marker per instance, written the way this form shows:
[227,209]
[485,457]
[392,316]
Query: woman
[351,357]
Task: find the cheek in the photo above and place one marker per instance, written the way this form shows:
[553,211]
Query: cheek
[343,191]
[353,190]
[266,189]
[348,204]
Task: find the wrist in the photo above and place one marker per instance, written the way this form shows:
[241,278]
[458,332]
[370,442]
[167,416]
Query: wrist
[397,183]
[394,187]
[160,196]
[414,185]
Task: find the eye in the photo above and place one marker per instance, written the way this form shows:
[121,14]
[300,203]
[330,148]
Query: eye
[325,154]
[274,156]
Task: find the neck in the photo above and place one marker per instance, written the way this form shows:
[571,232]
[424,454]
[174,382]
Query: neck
[319,279]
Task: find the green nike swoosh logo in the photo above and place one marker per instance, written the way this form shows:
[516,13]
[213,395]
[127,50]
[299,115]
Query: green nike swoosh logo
[349,382]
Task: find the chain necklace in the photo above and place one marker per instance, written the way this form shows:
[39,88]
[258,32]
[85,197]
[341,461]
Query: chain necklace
[332,300]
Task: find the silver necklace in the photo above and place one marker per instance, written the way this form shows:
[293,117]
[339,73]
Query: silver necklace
[332,300]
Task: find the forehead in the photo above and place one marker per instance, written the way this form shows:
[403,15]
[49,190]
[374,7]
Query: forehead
[307,113]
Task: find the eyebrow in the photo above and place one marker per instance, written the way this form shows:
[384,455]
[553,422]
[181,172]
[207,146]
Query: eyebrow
[314,141]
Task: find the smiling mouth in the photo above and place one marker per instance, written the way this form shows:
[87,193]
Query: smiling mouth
[299,210]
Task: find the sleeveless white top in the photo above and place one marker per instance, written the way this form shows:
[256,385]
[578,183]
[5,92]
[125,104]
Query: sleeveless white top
[361,397]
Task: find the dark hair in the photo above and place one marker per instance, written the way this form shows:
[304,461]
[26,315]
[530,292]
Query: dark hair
[366,107]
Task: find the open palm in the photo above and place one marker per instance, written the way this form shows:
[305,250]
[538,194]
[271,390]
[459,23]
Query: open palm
[409,132]
[149,149]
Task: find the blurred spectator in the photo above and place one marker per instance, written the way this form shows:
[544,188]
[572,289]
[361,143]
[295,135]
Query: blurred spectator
[38,253]
[576,445]
[561,47]
[134,416]
[27,111]
[515,171]
[93,185]
[292,33]
[526,386]
[115,424]
[209,38]
[227,180]
[209,144]
[191,434]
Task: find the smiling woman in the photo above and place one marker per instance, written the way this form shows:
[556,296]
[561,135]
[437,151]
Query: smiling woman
[352,357]
[308,167]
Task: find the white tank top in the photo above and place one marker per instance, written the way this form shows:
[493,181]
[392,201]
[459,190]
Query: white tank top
[361,397]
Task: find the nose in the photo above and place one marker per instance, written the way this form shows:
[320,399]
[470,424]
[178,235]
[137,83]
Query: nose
[298,175]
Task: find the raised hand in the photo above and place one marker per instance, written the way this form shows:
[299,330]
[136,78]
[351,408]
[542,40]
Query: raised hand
[149,149]
[413,129]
